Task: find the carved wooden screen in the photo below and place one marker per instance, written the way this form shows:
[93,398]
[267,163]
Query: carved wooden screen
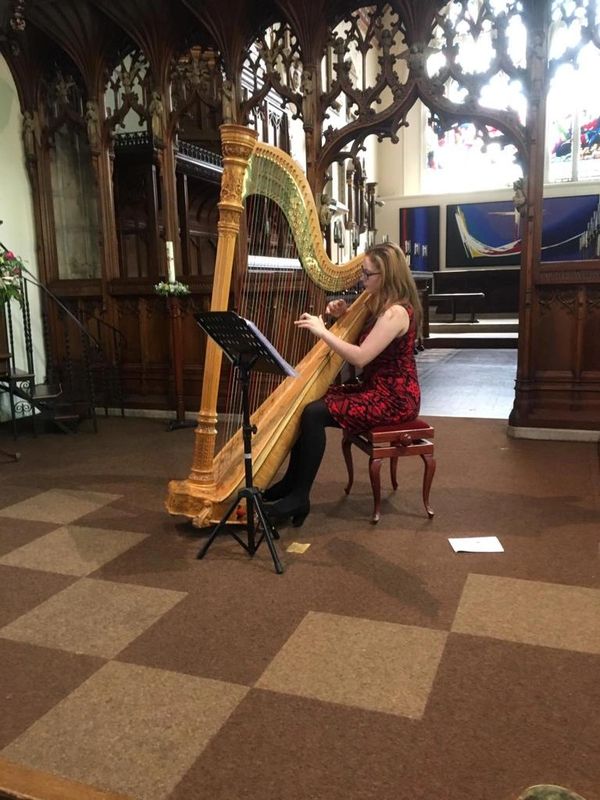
[74,196]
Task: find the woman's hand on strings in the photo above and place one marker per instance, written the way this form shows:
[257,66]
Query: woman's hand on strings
[392,323]
[336,308]
[312,323]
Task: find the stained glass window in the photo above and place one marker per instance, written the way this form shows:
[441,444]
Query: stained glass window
[573,102]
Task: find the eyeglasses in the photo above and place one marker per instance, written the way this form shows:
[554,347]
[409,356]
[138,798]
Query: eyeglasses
[367,274]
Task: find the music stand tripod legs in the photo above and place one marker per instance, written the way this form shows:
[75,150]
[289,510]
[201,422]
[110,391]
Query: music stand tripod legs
[257,525]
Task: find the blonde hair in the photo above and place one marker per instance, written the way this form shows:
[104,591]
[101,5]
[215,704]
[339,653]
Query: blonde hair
[397,283]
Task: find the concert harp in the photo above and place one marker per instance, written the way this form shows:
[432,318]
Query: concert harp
[258,174]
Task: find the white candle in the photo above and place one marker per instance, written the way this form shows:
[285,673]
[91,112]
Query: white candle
[170,263]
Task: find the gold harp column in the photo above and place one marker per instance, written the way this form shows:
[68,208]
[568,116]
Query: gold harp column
[238,143]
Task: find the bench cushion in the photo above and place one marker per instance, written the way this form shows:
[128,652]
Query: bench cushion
[393,431]
[414,424]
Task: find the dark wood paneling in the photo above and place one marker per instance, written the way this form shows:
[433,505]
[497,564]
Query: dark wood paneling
[564,390]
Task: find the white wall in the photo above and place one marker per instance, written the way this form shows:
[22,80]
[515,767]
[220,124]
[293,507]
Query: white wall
[399,165]
[16,210]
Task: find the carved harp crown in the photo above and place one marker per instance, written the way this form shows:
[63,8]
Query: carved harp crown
[251,169]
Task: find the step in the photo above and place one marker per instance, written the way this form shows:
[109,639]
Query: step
[45,391]
[65,417]
[484,326]
[16,375]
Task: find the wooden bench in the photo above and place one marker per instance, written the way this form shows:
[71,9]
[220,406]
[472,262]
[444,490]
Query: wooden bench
[472,298]
[393,442]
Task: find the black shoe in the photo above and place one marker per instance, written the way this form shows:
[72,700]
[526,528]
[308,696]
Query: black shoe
[283,510]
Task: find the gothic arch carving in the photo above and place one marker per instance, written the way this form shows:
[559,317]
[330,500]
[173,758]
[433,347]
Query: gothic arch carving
[403,43]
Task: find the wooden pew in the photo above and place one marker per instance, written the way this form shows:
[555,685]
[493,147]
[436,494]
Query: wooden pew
[471,299]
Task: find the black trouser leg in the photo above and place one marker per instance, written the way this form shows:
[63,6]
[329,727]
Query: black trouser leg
[286,484]
[307,455]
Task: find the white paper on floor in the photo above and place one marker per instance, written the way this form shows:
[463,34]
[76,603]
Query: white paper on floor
[476,544]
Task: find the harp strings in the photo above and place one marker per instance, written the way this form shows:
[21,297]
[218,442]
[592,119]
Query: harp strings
[272,292]
[274,288]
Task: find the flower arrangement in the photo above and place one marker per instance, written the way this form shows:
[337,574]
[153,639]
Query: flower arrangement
[11,267]
[167,288]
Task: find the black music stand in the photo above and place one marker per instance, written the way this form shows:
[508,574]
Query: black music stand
[247,349]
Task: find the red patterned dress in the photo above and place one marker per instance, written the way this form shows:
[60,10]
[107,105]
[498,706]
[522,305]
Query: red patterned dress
[388,391]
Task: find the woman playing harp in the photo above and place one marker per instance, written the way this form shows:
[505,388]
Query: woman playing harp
[389,390]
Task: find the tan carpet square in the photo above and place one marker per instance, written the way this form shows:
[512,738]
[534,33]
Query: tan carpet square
[96,618]
[530,612]
[130,729]
[380,666]
[58,505]
[72,550]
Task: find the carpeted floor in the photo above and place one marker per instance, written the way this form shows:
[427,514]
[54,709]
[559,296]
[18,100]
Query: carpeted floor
[380,666]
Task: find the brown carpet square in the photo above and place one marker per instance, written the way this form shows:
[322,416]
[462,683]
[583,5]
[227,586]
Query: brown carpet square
[276,747]
[19,485]
[502,716]
[385,572]
[16,533]
[241,630]
[33,680]
[23,589]
[125,515]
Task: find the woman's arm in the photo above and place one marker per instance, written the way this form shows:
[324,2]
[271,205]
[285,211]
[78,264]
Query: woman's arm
[392,323]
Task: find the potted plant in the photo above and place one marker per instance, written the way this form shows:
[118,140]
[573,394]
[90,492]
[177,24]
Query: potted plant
[11,267]
[171,289]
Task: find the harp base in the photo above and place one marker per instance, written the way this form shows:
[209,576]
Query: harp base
[191,499]
[258,527]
